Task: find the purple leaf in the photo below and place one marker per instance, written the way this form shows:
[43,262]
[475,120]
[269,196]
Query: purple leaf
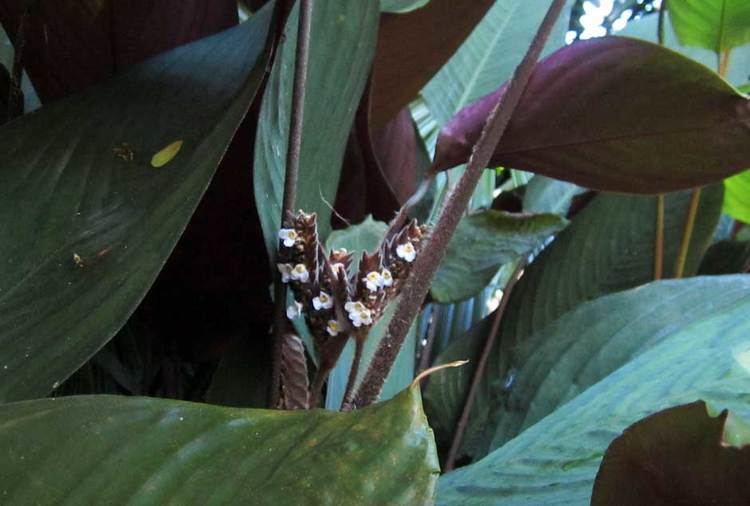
[615,114]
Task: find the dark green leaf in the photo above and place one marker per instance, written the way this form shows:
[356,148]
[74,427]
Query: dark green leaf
[638,352]
[342,47]
[718,25]
[677,456]
[482,243]
[98,221]
[151,451]
[608,247]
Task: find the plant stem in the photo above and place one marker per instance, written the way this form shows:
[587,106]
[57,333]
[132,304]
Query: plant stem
[724,62]
[418,283]
[687,233]
[302,59]
[659,239]
[660,27]
[346,402]
[463,421]
[424,360]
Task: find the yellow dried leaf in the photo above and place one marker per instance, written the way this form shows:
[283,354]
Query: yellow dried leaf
[163,157]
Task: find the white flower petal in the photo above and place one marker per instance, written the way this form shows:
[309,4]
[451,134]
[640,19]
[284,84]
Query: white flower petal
[333,327]
[286,272]
[300,273]
[288,235]
[406,252]
[294,310]
[322,301]
[387,277]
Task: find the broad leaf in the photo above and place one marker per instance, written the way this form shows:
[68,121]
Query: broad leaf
[98,220]
[482,243]
[153,451]
[718,25]
[608,247]
[737,196]
[412,47]
[638,352]
[688,129]
[342,45]
[489,56]
[681,455]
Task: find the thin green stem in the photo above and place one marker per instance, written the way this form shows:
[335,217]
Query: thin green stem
[302,59]
[687,234]
[418,283]
[659,238]
[660,27]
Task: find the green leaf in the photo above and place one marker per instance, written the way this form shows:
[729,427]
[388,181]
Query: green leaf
[646,28]
[98,221]
[483,242]
[490,55]
[155,451]
[737,196]
[638,352]
[689,448]
[342,46]
[608,247]
[401,5]
[718,25]
[548,195]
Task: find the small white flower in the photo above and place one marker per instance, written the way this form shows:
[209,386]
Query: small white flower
[386,277]
[354,307]
[406,251]
[299,273]
[322,301]
[373,280]
[365,317]
[294,311]
[286,272]
[338,266]
[288,235]
[333,327]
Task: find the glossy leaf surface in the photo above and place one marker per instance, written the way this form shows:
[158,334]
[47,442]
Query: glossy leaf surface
[98,220]
[342,46]
[603,366]
[482,243]
[152,451]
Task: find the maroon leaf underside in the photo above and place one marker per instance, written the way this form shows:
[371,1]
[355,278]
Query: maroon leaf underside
[615,114]
[412,47]
[676,456]
[69,46]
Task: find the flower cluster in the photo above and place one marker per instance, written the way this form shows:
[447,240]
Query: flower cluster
[331,297]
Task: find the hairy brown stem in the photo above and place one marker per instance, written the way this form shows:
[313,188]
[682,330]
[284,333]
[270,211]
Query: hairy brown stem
[463,421]
[302,59]
[346,402]
[418,283]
